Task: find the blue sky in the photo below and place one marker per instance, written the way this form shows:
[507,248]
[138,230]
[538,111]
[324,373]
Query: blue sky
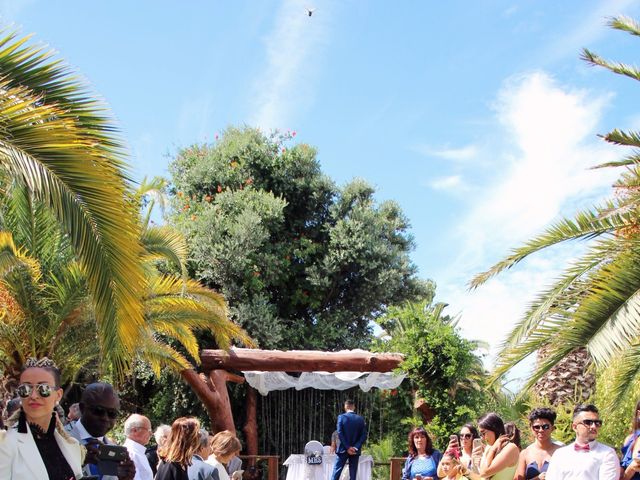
[477,117]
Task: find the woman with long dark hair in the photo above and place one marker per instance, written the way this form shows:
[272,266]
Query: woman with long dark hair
[630,462]
[423,459]
[176,454]
[500,456]
[36,446]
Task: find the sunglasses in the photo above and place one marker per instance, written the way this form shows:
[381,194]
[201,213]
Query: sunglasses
[544,426]
[98,411]
[591,423]
[44,390]
[466,435]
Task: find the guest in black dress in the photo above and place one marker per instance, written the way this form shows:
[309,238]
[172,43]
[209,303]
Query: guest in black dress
[182,443]
[36,447]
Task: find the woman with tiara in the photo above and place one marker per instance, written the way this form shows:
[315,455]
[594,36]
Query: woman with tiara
[36,447]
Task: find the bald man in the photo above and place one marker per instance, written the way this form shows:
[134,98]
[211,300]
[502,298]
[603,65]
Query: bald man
[137,428]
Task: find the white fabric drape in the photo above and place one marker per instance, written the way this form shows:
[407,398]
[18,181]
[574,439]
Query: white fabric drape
[266,382]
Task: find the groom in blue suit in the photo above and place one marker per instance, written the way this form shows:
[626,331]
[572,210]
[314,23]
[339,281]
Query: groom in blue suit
[352,433]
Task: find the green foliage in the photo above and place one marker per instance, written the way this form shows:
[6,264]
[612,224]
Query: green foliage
[440,364]
[381,452]
[302,262]
[617,413]
[595,302]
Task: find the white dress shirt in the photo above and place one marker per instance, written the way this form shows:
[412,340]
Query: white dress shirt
[136,453]
[599,463]
[222,472]
[78,431]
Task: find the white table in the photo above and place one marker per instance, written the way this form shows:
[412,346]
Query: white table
[297,468]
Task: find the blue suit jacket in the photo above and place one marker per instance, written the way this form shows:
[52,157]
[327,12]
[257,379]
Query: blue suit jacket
[352,432]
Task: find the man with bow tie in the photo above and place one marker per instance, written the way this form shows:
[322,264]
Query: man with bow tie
[586,458]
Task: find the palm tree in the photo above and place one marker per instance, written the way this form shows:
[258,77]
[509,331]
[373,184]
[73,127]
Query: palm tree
[59,142]
[596,301]
[176,307]
[45,306]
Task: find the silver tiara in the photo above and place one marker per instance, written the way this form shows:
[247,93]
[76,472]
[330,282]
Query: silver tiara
[43,362]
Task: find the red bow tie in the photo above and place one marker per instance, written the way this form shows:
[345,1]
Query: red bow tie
[581,448]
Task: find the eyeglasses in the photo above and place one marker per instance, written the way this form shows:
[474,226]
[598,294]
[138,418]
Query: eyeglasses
[543,426]
[592,423]
[99,411]
[466,435]
[44,390]
[484,432]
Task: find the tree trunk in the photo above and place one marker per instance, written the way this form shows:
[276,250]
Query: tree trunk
[213,393]
[299,360]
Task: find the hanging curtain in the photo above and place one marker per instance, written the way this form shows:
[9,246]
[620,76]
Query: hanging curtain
[266,382]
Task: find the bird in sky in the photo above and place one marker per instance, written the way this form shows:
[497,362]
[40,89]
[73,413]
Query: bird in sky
[309,11]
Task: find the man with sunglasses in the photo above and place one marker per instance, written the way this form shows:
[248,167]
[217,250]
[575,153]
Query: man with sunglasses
[586,458]
[99,410]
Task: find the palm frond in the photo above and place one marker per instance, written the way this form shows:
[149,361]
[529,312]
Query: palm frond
[11,257]
[566,291]
[632,159]
[625,139]
[165,243]
[625,24]
[615,67]
[159,355]
[585,225]
[628,372]
[155,191]
[59,143]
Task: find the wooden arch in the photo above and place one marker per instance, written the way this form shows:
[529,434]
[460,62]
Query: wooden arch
[211,385]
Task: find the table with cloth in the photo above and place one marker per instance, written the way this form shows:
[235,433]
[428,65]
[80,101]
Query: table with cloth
[297,468]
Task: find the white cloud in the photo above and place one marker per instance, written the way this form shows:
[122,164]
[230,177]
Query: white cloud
[553,132]
[446,183]
[293,51]
[544,168]
[458,154]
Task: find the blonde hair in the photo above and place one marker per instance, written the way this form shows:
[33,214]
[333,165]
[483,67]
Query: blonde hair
[182,442]
[225,443]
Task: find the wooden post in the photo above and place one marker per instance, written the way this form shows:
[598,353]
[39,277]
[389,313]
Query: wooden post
[273,462]
[251,424]
[396,467]
[273,467]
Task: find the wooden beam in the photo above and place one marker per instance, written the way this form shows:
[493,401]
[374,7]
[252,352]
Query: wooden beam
[299,360]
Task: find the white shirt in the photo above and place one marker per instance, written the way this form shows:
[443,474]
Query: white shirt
[82,432]
[136,453]
[222,472]
[599,463]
